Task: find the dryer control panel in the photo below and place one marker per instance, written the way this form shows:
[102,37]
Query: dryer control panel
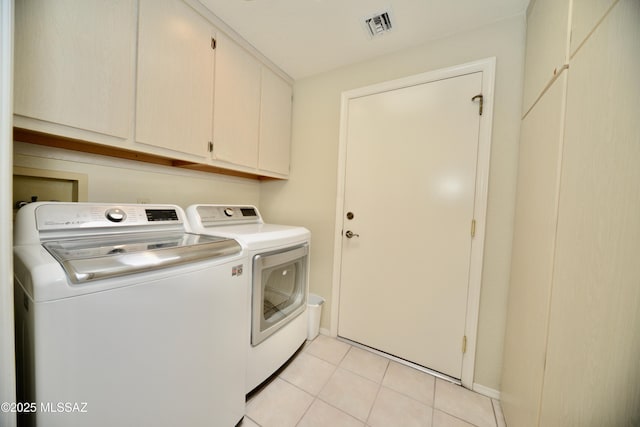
[225,214]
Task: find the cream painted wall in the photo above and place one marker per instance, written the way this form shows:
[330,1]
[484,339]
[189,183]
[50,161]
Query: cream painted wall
[124,181]
[309,197]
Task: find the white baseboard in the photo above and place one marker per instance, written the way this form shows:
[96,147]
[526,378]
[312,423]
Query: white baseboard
[489,392]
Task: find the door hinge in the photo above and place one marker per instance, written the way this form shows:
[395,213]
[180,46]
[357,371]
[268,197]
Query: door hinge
[464,344]
[213,43]
[210,147]
[473,228]
[481,102]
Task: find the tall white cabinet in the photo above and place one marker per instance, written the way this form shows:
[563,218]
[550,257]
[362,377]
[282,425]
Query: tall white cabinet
[572,341]
[533,257]
[546,51]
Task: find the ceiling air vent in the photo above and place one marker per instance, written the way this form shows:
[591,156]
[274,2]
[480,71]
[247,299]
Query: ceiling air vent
[378,24]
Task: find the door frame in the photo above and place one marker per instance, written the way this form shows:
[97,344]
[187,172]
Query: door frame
[487,67]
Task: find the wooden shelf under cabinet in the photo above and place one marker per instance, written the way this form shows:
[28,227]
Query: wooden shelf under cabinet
[49,140]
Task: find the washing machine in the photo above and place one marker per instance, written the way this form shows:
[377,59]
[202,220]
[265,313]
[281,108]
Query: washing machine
[278,260]
[126,318]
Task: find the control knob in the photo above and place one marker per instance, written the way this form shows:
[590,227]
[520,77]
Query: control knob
[228,211]
[115,215]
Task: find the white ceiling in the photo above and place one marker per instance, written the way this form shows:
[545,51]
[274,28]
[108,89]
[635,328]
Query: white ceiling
[306,37]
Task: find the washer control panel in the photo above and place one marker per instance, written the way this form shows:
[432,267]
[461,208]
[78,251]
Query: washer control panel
[61,216]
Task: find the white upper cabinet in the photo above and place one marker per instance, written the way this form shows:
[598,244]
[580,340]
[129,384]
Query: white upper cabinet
[74,63]
[547,46]
[175,77]
[148,76]
[236,111]
[275,124]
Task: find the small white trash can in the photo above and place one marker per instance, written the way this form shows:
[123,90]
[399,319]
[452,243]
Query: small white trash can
[314,312]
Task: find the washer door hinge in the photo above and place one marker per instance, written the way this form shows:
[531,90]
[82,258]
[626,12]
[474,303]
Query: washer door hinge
[481,102]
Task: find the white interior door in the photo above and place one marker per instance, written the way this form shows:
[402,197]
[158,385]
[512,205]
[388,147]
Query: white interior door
[410,185]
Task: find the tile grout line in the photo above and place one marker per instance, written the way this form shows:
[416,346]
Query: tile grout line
[457,417]
[253,421]
[341,410]
[401,361]
[328,361]
[433,404]
[317,396]
[366,421]
[495,416]
[379,383]
[306,410]
[363,377]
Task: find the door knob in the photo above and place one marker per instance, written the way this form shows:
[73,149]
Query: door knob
[351,234]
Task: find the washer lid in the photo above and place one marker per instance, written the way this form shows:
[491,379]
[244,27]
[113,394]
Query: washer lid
[90,259]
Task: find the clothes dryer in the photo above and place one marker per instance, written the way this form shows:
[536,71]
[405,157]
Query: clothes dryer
[278,260]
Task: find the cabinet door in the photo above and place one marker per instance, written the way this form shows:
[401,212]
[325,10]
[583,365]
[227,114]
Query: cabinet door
[237,105]
[593,369]
[175,77]
[74,63]
[275,124]
[532,257]
[585,16]
[547,45]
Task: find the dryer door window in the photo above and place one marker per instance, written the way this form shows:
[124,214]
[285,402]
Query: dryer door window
[279,290]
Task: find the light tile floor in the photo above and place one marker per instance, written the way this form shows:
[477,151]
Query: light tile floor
[331,383]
